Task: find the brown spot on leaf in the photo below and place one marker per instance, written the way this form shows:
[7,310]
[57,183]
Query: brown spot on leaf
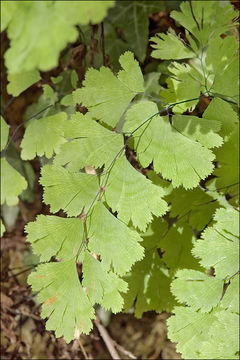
[51,300]
[40,276]
[101,191]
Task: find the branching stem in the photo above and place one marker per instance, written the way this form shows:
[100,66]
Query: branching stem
[102,184]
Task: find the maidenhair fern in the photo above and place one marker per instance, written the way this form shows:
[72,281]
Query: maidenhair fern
[107,96]
[167,241]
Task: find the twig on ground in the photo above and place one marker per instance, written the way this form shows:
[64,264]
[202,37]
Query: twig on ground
[107,339]
[82,349]
[124,351]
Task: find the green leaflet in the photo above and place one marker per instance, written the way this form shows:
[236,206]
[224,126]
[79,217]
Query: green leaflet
[127,188]
[74,79]
[205,20]
[185,83]
[149,279]
[71,192]
[201,130]
[24,168]
[83,12]
[222,111]
[151,85]
[177,244]
[34,110]
[43,136]
[227,170]
[227,220]
[114,46]
[197,290]
[65,304]
[149,282]
[214,66]
[222,65]
[101,286]
[219,246]
[230,300]
[189,329]
[67,100]
[157,180]
[21,81]
[226,83]
[177,157]
[108,96]
[225,48]
[91,144]
[12,183]
[4,133]
[131,75]
[217,196]
[193,206]
[201,334]
[49,94]
[119,247]
[55,236]
[35,38]
[8,8]
[218,345]
[169,46]
[38,28]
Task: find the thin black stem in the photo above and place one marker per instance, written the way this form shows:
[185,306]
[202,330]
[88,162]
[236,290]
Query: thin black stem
[193,15]
[23,271]
[223,187]
[229,278]
[8,104]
